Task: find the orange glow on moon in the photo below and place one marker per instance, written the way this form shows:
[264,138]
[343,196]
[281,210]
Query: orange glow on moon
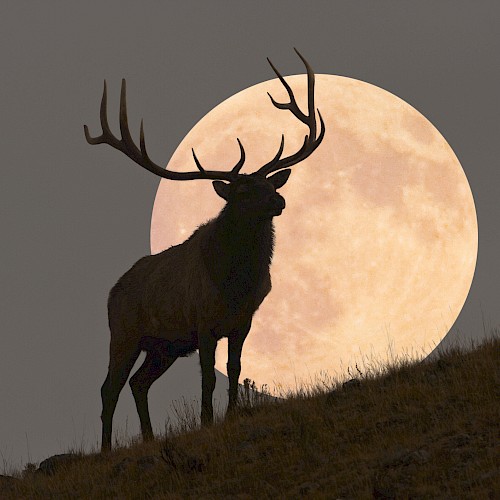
[377,245]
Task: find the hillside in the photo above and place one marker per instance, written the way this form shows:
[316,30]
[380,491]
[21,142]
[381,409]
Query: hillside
[419,430]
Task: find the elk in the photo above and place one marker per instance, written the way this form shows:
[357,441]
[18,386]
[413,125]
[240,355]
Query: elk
[193,294]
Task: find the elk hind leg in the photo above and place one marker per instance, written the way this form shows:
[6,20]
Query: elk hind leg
[154,366]
[120,364]
[207,346]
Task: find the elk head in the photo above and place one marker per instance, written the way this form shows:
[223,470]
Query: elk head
[254,195]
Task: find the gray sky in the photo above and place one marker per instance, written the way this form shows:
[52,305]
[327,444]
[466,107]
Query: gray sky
[74,218]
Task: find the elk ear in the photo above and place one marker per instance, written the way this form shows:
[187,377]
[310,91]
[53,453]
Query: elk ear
[221,188]
[278,180]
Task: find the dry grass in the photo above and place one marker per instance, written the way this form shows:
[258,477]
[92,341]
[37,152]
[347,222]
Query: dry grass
[412,430]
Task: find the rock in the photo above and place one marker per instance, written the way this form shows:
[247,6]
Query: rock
[459,440]
[258,433]
[405,457]
[121,467]
[308,487]
[195,464]
[350,384]
[142,464]
[420,457]
[393,420]
[243,446]
[396,457]
[147,462]
[8,483]
[380,493]
[178,459]
[50,465]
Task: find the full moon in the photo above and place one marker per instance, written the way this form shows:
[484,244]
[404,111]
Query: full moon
[376,249]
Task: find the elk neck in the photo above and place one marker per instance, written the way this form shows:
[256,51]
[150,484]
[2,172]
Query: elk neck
[238,254]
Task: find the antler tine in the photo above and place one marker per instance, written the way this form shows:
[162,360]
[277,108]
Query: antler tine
[311,142]
[307,147]
[103,115]
[127,146]
[292,105]
[278,154]
[144,153]
[236,169]
[310,95]
[198,164]
[127,140]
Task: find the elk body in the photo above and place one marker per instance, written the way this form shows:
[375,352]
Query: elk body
[191,295]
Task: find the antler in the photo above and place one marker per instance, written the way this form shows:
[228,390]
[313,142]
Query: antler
[126,145]
[311,142]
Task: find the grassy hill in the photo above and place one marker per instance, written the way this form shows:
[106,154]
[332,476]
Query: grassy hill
[412,430]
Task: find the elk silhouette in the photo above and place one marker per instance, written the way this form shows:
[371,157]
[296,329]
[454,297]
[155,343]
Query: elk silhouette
[191,295]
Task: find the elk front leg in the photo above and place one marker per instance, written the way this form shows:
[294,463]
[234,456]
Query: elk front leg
[207,346]
[235,345]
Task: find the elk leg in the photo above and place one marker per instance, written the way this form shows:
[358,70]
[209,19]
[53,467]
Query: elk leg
[118,372]
[207,345]
[235,345]
[154,366]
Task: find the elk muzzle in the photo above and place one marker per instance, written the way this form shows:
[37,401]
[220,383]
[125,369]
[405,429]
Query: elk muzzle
[277,205]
